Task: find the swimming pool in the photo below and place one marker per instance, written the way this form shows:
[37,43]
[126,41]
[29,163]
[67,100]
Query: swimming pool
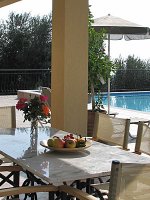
[129,100]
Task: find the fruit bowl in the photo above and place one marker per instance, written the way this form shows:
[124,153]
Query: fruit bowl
[44,144]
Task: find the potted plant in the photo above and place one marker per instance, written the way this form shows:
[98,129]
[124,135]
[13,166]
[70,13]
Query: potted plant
[99,107]
[99,66]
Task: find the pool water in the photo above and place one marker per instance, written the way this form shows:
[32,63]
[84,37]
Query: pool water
[129,100]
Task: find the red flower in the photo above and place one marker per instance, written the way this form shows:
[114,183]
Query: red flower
[35,108]
[43,98]
[23,100]
[21,103]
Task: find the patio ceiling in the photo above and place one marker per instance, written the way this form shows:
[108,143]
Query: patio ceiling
[7,2]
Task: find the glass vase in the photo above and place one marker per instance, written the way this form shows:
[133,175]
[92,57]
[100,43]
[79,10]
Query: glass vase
[34,125]
[34,135]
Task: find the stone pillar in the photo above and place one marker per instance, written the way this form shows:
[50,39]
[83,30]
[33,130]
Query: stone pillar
[70,65]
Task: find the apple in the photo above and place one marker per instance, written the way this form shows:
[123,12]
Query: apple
[70,143]
[58,143]
[50,142]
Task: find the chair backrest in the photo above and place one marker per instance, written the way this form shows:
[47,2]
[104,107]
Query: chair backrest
[143,139]
[111,130]
[8,117]
[129,181]
[47,92]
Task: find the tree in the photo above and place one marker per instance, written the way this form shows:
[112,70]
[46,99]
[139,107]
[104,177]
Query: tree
[99,65]
[25,42]
[132,74]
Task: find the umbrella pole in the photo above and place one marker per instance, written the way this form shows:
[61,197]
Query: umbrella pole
[108,94]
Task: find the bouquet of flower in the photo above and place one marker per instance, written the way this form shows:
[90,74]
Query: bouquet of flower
[35,109]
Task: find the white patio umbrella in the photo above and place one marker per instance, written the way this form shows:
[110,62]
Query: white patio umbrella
[117,29]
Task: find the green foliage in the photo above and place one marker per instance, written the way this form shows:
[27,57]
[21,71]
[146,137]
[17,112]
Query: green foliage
[99,64]
[131,62]
[99,104]
[132,74]
[25,42]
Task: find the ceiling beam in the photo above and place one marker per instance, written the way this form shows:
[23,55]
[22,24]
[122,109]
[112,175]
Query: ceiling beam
[7,2]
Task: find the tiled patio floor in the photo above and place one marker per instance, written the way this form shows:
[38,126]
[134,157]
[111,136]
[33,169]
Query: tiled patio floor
[12,100]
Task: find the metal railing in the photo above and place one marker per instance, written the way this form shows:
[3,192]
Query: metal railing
[12,80]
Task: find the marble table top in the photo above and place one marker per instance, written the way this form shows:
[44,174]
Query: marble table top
[58,167]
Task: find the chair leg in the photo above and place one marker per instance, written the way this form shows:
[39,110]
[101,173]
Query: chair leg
[14,171]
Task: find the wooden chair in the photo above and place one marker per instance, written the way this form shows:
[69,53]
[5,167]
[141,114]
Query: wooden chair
[7,120]
[8,117]
[143,139]
[28,190]
[10,174]
[47,92]
[128,181]
[111,130]
[74,192]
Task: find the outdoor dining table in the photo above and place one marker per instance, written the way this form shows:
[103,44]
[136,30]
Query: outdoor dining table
[59,167]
